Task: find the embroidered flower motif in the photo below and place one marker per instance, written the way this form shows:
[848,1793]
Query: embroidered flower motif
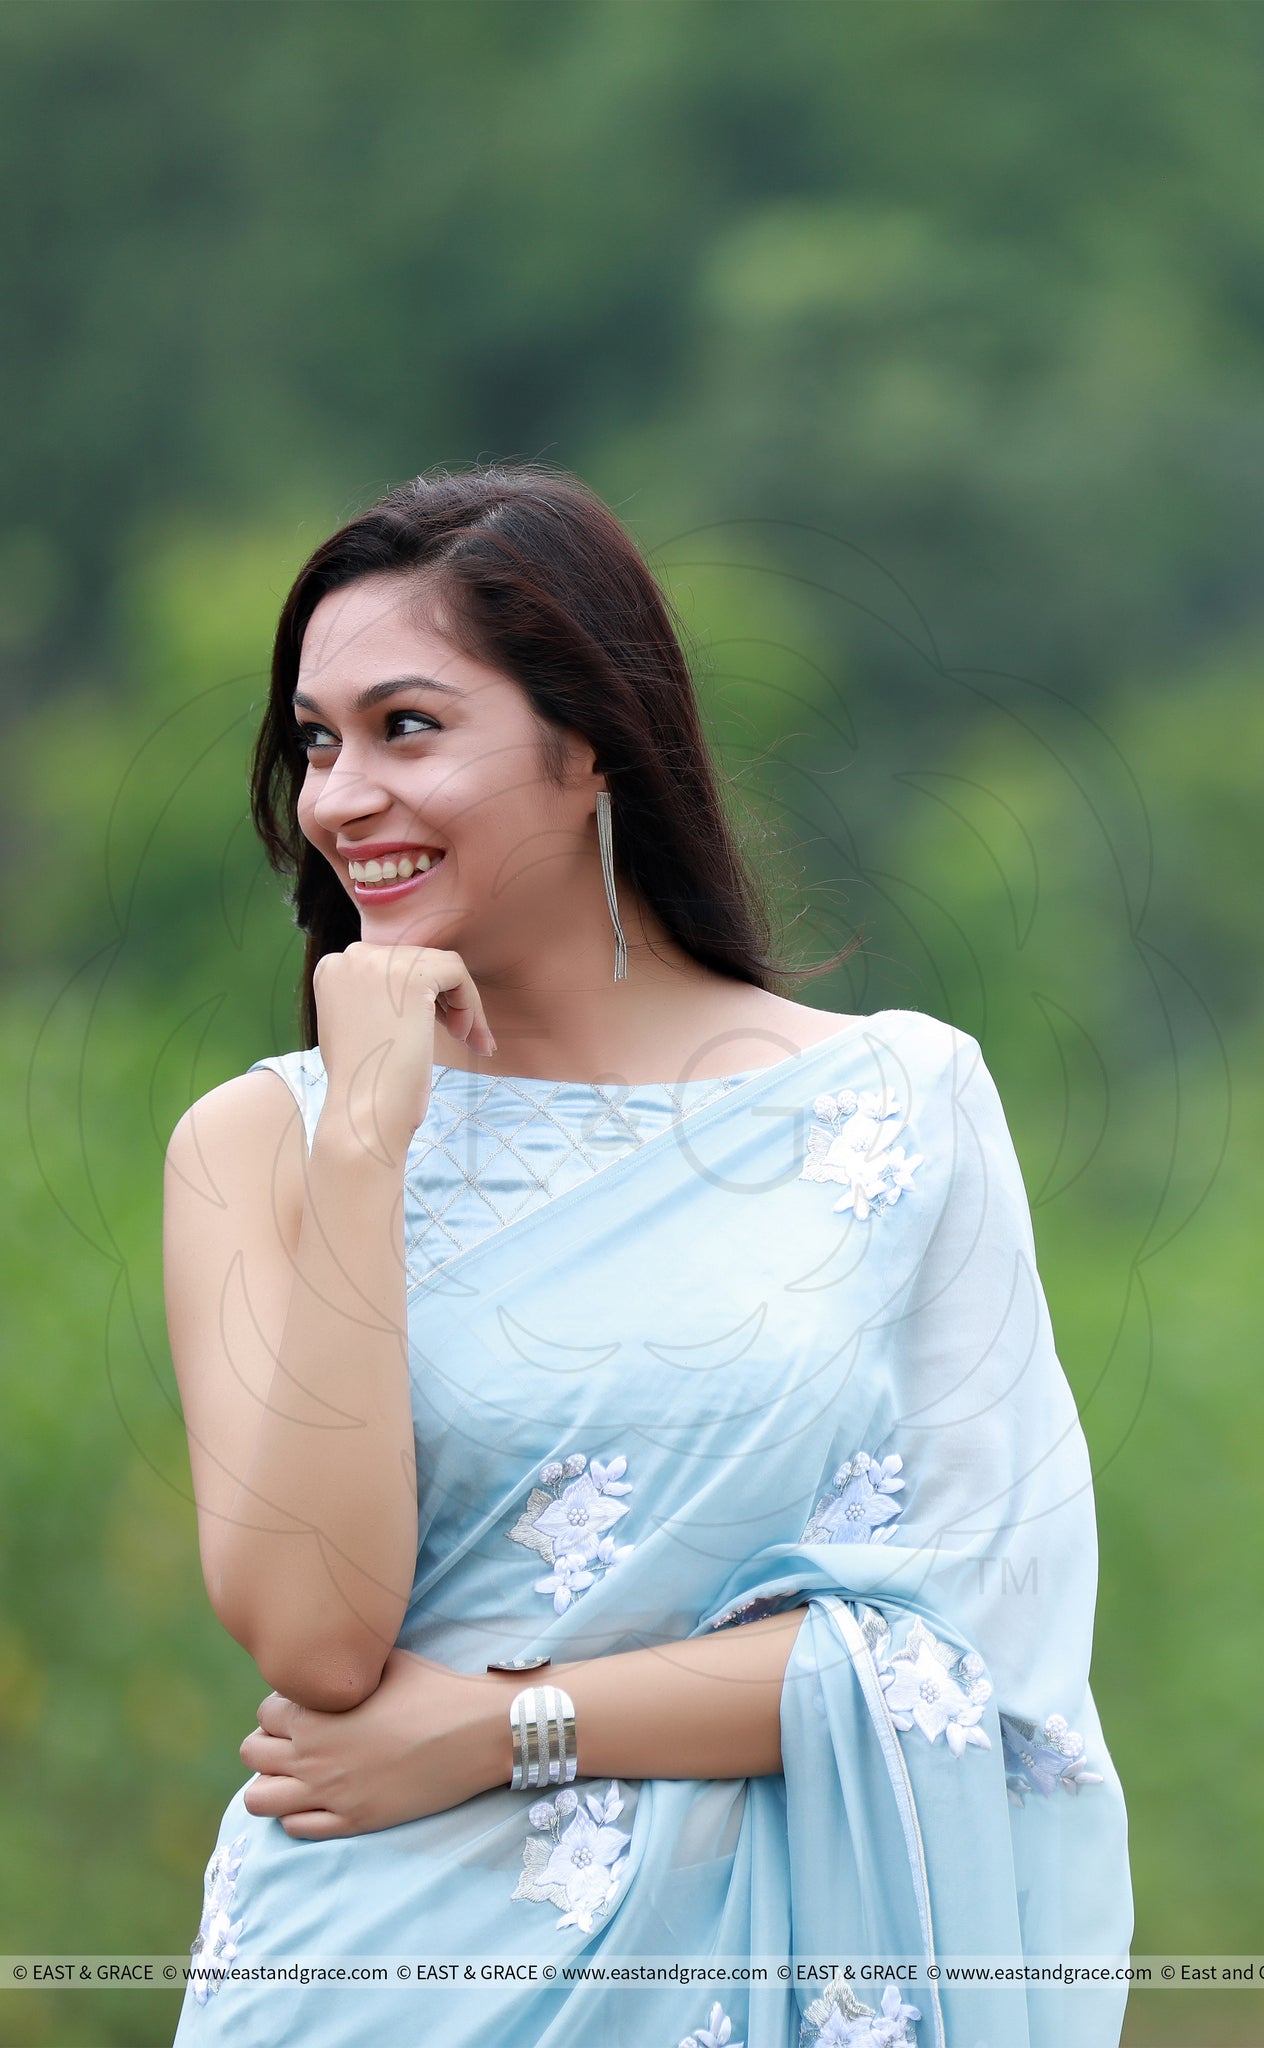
[929,1686]
[567,1520]
[1039,1760]
[718,2032]
[838,2019]
[215,1942]
[849,1144]
[580,1866]
[567,1580]
[860,1508]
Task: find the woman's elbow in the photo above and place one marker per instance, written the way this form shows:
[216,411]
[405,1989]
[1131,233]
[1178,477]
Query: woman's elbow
[329,1677]
[329,1682]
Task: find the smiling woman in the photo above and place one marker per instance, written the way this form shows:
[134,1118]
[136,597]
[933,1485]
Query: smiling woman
[469,787]
[623,1413]
[482,654]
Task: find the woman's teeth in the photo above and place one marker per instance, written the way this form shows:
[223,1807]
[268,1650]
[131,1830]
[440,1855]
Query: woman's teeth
[399,870]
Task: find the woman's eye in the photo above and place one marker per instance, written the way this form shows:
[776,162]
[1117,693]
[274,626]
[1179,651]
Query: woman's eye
[311,737]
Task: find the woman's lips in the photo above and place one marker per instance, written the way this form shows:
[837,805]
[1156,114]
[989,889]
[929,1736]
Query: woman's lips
[387,892]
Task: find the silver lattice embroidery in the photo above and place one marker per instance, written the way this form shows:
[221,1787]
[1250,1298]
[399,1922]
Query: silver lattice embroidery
[456,1205]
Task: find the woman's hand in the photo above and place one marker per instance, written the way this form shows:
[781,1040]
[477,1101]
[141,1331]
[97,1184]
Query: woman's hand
[425,1740]
[375,1008]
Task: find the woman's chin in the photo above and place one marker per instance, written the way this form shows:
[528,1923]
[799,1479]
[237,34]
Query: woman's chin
[405,925]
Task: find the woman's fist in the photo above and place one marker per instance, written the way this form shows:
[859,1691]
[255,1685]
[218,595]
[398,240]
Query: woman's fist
[375,1008]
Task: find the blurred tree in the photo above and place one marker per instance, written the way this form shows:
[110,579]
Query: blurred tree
[921,347]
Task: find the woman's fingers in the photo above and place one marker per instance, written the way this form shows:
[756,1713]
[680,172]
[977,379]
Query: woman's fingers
[315,1827]
[289,1801]
[378,1009]
[275,1796]
[460,999]
[271,1753]
[276,1714]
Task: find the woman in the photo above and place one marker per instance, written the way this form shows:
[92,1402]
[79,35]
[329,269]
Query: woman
[631,1444]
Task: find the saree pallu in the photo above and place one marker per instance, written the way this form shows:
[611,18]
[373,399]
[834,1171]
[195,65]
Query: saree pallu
[792,1352]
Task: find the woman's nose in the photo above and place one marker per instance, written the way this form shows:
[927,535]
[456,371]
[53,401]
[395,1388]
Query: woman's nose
[350,790]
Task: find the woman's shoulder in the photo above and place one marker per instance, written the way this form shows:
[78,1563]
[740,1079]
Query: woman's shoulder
[235,1107]
[938,1053]
[824,1029]
[911,1056]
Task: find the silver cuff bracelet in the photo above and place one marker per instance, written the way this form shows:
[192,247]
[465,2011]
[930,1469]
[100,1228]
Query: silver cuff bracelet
[542,1722]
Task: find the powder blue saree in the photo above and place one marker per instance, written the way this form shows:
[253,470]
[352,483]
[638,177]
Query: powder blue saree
[792,1351]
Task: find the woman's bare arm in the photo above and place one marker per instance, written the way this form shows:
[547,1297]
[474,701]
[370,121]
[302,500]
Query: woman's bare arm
[708,1707]
[430,1738]
[286,1309]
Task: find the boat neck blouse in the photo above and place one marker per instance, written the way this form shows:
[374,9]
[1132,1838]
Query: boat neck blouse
[493,1147]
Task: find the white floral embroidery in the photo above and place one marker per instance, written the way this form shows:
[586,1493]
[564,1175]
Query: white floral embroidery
[932,1687]
[567,1521]
[860,1508]
[850,1145]
[718,2032]
[838,2019]
[1040,1759]
[581,1865]
[215,1942]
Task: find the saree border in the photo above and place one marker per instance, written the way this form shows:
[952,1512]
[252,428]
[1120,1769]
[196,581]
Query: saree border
[848,1628]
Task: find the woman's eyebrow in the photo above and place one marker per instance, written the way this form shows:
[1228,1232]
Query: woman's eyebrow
[377,691]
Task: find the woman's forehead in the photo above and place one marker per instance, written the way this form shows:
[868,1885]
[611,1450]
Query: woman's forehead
[370,634]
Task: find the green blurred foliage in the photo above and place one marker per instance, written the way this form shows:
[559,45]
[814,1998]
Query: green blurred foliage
[921,349]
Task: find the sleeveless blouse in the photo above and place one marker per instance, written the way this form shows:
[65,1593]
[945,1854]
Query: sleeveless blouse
[493,1147]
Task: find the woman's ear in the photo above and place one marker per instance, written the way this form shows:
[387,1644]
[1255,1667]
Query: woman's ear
[597,773]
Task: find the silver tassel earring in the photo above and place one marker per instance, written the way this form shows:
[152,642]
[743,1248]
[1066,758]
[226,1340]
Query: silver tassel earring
[606,843]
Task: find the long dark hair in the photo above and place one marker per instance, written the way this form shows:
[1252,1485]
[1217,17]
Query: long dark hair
[538,579]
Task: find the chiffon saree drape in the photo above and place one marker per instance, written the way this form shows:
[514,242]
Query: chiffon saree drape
[793,1351]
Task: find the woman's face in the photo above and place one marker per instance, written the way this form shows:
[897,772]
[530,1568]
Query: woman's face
[414,747]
